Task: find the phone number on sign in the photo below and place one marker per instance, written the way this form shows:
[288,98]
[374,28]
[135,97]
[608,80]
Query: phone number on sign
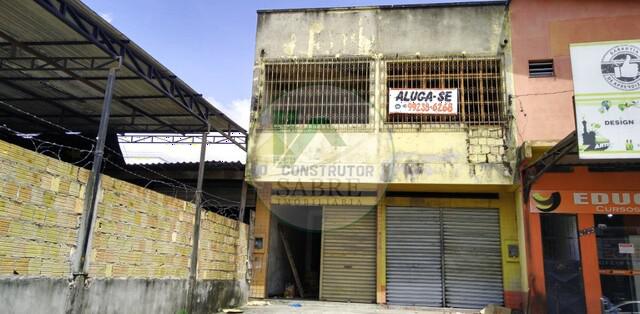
[440,107]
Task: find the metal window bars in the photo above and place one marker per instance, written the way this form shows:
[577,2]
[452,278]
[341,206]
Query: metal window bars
[308,93]
[479,81]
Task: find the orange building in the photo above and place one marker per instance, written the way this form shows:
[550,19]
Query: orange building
[580,216]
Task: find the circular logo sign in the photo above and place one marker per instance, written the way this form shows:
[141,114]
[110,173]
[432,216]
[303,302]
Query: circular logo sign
[620,67]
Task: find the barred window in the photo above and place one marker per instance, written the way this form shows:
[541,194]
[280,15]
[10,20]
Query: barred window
[315,92]
[478,80]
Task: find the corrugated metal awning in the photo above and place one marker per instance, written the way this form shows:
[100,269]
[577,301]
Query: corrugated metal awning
[54,60]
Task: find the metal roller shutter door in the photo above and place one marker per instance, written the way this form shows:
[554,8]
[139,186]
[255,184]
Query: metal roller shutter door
[348,268]
[414,272]
[472,259]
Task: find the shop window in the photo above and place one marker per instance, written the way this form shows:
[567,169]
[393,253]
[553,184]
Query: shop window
[479,81]
[315,93]
[541,68]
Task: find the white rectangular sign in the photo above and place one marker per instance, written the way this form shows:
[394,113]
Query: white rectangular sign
[606,80]
[423,101]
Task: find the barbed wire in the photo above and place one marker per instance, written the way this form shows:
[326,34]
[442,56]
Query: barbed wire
[225,210]
[78,134]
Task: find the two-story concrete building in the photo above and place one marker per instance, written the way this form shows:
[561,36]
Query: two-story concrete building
[382,148]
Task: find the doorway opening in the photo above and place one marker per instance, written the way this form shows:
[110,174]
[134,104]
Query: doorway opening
[294,252]
[562,264]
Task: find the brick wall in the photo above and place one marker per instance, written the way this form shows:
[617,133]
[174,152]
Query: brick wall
[138,233]
[40,207]
[487,145]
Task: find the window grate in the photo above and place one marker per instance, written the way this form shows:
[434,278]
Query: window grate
[541,68]
[478,80]
[315,92]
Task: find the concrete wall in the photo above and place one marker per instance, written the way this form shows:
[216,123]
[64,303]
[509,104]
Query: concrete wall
[49,295]
[545,107]
[140,250]
[367,31]
[477,156]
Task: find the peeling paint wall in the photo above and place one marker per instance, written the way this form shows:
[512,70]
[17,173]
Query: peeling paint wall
[367,31]
[424,155]
[476,156]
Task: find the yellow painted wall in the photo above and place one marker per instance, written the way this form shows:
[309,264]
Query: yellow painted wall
[445,157]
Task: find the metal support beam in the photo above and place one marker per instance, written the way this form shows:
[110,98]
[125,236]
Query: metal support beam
[243,201]
[160,79]
[104,39]
[80,260]
[533,172]
[181,139]
[23,64]
[53,43]
[91,192]
[81,98]
[62,107]
[90,84]
[193,269]
[61,78]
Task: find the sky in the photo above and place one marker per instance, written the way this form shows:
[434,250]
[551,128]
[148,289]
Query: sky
[209,44]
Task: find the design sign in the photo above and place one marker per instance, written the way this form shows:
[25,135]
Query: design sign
[606,79]
[423,101]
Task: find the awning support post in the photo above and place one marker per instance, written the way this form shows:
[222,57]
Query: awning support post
[80,260]
[193,269]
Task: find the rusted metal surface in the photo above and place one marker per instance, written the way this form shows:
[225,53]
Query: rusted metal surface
[479,82]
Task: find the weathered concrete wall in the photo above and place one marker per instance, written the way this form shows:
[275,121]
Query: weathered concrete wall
[141,243]
[48,295]
[476,156]
[33,295]
[367,31]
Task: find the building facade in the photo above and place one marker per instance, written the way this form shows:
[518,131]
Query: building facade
[580,215]
[383,154]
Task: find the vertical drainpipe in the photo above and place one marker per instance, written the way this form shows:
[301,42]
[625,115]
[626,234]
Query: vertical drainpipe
[193,269]
[80,260]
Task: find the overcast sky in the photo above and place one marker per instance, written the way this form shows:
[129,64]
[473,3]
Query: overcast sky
[209,44]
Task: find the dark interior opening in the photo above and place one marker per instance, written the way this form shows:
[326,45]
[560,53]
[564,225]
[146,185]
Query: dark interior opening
[301,227]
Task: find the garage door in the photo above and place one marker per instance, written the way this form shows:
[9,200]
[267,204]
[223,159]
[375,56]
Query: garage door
[414,272]
[473,260]
[428,248]
[348,268]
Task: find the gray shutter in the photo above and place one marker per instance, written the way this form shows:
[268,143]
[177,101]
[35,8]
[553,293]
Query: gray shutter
[348,268]
[473,267]
[414,272]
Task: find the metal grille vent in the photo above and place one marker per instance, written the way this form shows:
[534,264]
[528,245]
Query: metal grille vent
[478,80]
[315,92]
[541,68]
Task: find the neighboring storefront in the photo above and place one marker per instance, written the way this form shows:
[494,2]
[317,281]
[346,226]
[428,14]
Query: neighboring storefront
[582,197]
[583,221]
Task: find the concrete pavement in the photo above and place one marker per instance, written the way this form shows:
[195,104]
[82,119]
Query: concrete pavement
[321,307]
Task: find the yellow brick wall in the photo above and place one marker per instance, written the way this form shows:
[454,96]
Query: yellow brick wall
[218,244]
[40,207]
[138,233]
